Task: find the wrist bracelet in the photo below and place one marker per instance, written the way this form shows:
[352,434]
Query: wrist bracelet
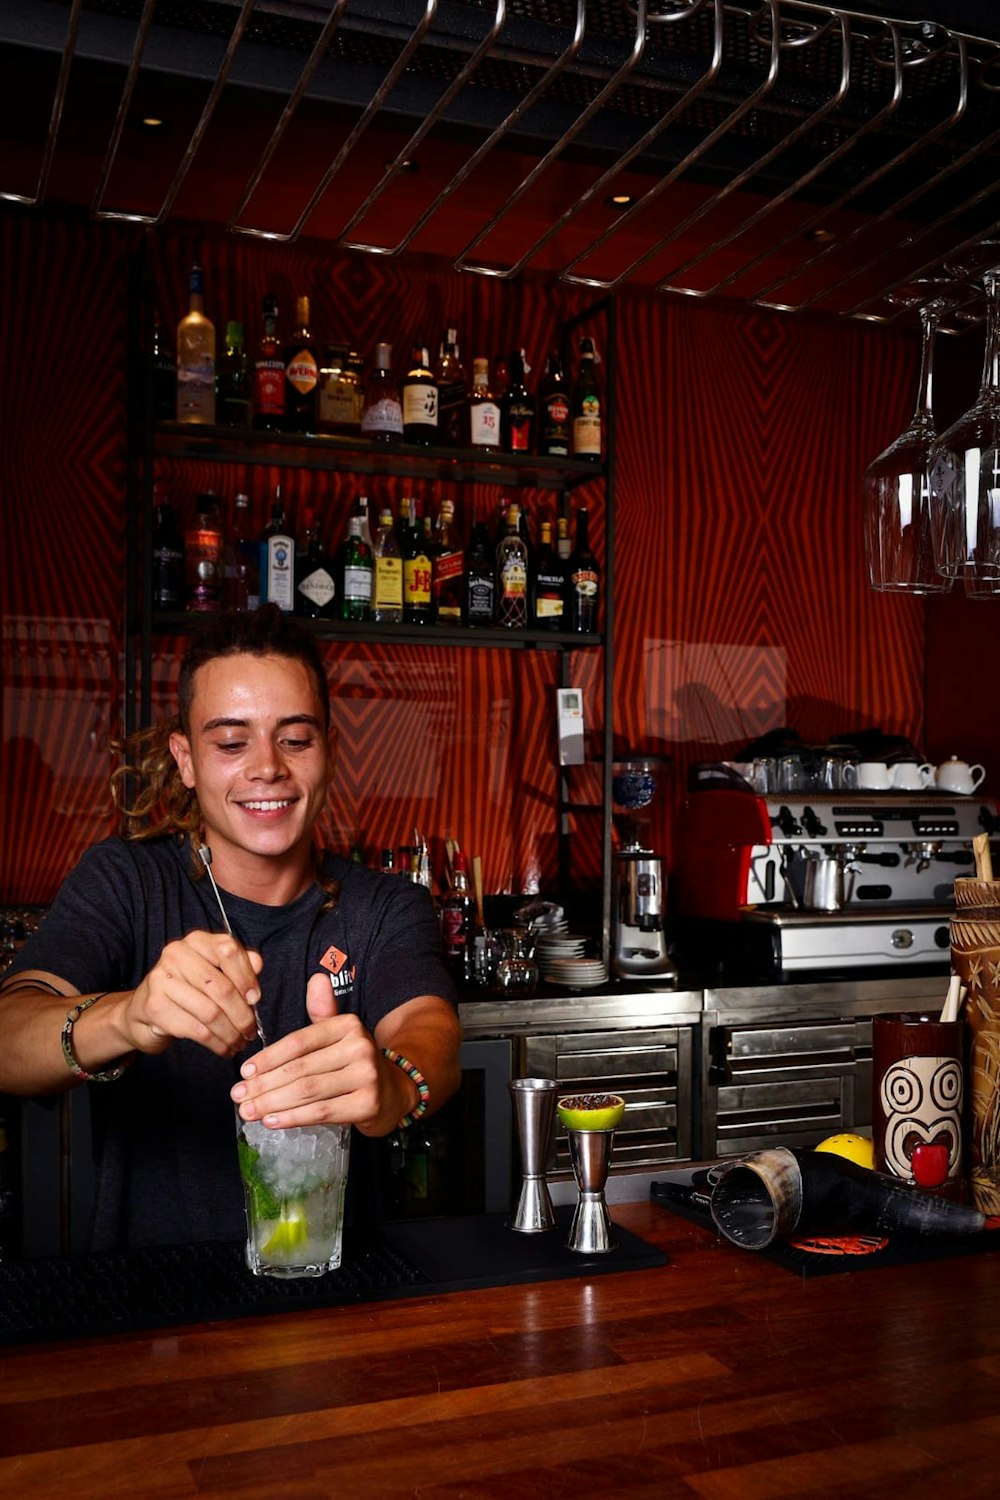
[106,1075]
[423,1090]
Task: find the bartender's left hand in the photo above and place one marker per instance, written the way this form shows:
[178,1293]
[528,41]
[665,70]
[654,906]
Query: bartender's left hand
[330,1072]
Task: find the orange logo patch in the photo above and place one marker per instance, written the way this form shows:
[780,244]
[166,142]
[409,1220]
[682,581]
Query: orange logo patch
[333,960]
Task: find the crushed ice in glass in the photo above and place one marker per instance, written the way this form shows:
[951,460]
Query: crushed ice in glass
[299,1159]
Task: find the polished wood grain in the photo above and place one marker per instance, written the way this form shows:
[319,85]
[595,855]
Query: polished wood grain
[718,1376]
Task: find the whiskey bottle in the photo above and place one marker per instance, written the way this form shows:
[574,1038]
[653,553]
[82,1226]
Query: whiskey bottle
[203,556]
[420,401]
[269,374]
[196,359]
[512,576]
[241,574]
[517,410]
[554,433]
[583,581]
[484,411]
[480,578]
[301,374]
[450,375]
[387,600]
[418,606]
[448,569]
[548,585]
[382,415]
[355,369]
[315,591]
[356,601]
[587,406]
[234,380]
[168,559]
[277,559]
[339,411]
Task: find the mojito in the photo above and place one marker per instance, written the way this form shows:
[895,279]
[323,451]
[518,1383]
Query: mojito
[294,1182]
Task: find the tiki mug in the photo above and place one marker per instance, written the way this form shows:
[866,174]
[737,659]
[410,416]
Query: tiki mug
[975,956]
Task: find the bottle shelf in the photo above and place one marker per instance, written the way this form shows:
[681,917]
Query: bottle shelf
[372,632]
[365,456]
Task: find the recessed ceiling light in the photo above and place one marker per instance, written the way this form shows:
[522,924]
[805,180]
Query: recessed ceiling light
[820,236]
[152,125]
[620,200]
[406,165]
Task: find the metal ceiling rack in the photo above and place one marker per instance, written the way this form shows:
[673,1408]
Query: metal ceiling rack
[782,152]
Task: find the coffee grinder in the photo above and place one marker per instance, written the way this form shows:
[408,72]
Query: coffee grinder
[639,942]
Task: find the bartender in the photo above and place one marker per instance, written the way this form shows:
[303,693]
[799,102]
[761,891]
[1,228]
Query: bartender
[340,967]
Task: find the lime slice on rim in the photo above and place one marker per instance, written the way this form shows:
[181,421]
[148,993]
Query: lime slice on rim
[291,1231]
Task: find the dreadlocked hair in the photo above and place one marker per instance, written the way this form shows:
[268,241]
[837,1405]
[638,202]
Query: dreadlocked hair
[146,787]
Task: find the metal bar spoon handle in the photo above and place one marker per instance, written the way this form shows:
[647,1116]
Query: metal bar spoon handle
[591,1232]
[205,855]
[534,1111]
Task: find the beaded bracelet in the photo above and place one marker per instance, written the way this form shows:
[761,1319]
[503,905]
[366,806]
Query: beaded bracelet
[423,1090]
[106,1075]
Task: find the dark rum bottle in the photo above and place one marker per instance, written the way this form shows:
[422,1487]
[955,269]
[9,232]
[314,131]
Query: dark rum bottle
[269,375]
[301,374]
[517,410]
[554,432]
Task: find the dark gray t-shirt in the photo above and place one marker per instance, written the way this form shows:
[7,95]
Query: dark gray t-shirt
[164,1134]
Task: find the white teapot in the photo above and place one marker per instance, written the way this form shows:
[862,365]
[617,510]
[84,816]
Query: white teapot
[953,775]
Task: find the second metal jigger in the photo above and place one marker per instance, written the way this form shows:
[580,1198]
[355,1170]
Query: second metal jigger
[591,1231]
[534,1110]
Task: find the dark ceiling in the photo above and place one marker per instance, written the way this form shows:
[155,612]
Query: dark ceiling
[783,152]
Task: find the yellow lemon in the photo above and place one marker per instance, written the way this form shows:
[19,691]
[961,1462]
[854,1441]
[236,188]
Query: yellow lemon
[855,1147]
[591,1111]
[289,1233]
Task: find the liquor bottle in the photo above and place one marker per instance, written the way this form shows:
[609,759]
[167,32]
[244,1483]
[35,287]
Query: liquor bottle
[196,359]
[501,377]
[420,401]
[418,606]
[480,578]
[355,369]
[407,510]
[277,559]
[382,414]
[564,542]
[164,378]
[512,576]
[301,374]
[168,559]
[387,600]
[366,530]
[548,585]
[203,556]
[241,571]
[234,380]
[315,591]
[387,862]
[517,410]
[356,600]
[484,411]
[457,913]
[450,375]
[583,581]
[339,410]
[269,374]
[587,406]
[448,569]
[554,431]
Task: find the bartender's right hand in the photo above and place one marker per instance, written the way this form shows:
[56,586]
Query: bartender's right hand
[202,988]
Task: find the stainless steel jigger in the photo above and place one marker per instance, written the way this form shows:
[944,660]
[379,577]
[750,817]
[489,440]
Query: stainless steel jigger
[591,1232]
[535,1111]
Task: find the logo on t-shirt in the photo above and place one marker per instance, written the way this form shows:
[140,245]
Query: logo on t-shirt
[341,971]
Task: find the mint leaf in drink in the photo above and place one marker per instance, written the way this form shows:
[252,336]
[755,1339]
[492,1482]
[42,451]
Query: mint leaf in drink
[264,1203]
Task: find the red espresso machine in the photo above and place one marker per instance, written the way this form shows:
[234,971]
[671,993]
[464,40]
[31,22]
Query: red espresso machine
[818,881]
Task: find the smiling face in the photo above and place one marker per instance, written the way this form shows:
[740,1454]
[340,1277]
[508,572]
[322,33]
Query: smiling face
[258,757]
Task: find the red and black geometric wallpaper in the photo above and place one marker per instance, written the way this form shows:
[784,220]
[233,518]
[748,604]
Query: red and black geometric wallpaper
[742,601]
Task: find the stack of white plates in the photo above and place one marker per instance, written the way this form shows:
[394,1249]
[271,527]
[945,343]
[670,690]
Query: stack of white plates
[582,973]
[553,948]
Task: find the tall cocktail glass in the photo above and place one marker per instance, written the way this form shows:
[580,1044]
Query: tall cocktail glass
[294,1182]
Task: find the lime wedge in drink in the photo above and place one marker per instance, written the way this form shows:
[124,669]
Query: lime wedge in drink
[291,1231]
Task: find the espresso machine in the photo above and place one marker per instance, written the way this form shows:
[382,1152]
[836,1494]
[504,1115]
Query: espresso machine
[639,940]
[817,881]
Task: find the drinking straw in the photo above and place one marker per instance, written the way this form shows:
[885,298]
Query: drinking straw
[949,1011]
[984,860]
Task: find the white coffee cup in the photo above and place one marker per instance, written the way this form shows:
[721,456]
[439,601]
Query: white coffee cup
[907,776]
[873,776]
[953,775]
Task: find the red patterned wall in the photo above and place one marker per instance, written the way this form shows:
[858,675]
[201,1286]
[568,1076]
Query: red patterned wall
[742,602]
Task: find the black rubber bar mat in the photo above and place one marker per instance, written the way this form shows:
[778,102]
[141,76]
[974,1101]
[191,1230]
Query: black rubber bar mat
[85,1295]
[830,1255]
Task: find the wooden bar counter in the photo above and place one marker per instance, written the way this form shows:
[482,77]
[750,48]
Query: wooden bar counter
[717,1375]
